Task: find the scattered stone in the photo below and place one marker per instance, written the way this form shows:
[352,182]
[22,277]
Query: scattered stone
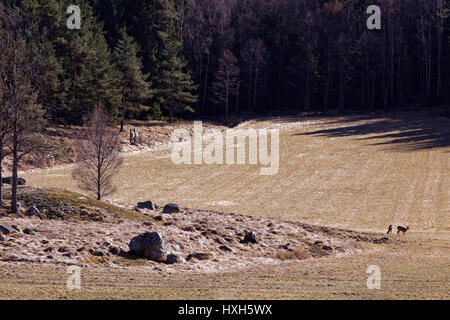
[284,246]
[228,239]
[81,249]
[318,243]
[149,245]
[174,258]
[205,234]
[97,253]
[327,248]
[225,248]
[147,224]
[251,237]
[44,241]
[15,228]
[82,198]
[95,218]
[62,250]
[171,208]
[33,212]
[7,230]
[158,218]
[147,205]
[29,232]
[8,180]
[199,256]
[114,250]
[84,213]
[2,239]
[382,240]
[49,249]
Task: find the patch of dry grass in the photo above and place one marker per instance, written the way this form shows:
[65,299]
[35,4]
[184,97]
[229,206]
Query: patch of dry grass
[351,178]
[325,278]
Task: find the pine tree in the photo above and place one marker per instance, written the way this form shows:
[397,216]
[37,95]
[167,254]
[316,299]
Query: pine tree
[87,75]
[173,84]
[134,86]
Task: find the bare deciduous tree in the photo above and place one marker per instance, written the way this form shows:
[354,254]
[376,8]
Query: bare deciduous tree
[99,157]
[4,126]
[22,116]
[226,84]
[254,64]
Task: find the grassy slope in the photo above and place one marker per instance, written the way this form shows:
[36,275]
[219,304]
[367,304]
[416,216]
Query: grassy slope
[333,172]
[350,177]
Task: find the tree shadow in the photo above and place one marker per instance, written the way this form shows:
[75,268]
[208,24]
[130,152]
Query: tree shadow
[399,131]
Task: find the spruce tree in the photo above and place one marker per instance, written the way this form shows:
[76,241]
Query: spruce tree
[134,85]
[87,76]
[173,84]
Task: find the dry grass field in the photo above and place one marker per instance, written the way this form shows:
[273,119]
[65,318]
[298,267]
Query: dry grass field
[413,269]
[361,173]
[357,172]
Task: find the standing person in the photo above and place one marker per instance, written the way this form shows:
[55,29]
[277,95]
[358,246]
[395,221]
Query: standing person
[131,136]
[136,136]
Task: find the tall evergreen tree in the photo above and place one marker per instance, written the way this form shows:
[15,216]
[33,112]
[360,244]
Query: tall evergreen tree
[134,85]
[86,76]
[174,85]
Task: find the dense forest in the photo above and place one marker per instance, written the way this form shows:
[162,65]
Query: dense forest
[151,59]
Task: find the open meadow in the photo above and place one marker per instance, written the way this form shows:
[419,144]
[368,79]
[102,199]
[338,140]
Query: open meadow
[361,172]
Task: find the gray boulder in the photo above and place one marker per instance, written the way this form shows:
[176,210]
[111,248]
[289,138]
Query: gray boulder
[32,212]
[251,237]
[29,232]
[7,230]
[171,208]
[147,205]
[8,180]
[200,256]
[149,245]
[174,258]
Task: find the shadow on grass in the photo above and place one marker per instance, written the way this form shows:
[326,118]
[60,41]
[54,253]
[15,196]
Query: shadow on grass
[400,131]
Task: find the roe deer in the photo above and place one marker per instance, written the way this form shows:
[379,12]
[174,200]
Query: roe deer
[402,229]
[389,229]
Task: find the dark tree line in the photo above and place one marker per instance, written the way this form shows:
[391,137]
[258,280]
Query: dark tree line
[154,58]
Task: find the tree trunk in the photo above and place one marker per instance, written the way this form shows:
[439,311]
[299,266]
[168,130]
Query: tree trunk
[1,166]
[226,108]
[255,94]
[327,87]
[14,176]
[439,53]
[205,88]
[99,177]
[341,89]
